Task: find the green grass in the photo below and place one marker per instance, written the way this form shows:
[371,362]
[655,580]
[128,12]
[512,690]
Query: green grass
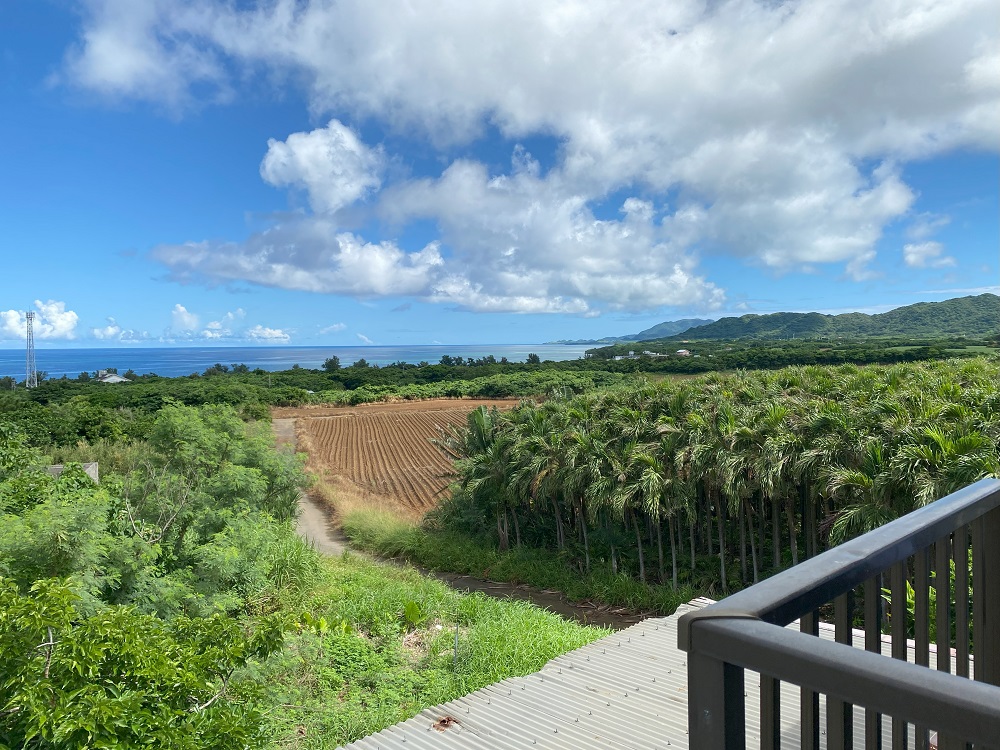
[383,534]
[378,646]
[977,349]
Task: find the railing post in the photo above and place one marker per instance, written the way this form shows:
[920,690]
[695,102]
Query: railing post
[716,704]
[987,633]
[897,583]
[770,713]
[873,643]
[921,627]
[809,706]
[840,714]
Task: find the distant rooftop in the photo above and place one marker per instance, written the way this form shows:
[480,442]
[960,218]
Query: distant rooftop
[91,469]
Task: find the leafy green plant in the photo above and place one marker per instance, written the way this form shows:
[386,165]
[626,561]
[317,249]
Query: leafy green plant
[414,614]
[118,678]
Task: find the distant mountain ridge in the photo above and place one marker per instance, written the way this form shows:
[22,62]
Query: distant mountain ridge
[667,329]
[659,331]
[963,316]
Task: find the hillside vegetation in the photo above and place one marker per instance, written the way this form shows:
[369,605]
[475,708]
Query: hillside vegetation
[965,316]
[172,604]
[129,608]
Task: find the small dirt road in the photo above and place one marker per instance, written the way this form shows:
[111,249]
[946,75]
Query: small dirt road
[313,524]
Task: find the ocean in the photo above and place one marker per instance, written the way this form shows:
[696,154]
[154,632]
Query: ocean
[175,361]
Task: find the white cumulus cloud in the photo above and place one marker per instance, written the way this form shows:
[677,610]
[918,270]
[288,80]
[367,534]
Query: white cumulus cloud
[111,331]
[182,319]
[334,328]
[926,255]
[331,163]
[126,51]
[262,333]
[772,132]
[52,321]
[308,254]
[527,243]
[222,328]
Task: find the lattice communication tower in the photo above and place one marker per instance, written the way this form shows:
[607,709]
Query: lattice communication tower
[30,371]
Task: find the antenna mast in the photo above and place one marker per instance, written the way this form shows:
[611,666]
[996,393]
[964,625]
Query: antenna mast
[31,373]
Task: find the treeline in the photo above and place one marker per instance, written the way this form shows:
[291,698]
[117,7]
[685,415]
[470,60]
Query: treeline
[715,356]
[128,608]
[64,412]
[718,481]
[540,383]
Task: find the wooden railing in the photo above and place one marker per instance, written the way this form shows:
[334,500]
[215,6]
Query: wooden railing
[954,700]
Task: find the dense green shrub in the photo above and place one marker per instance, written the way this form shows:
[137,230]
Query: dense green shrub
[117,678]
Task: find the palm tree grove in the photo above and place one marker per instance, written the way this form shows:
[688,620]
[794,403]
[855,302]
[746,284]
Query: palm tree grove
[712,483]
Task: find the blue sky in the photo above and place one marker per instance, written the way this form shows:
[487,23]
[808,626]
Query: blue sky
[281,172]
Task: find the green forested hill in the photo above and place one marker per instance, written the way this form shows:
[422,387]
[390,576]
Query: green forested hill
[668,328]
[963,316]
[659,331]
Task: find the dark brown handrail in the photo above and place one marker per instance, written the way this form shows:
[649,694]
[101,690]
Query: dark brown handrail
[746,631]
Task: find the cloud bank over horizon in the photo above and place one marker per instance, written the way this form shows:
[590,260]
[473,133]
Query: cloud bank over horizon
[772,135]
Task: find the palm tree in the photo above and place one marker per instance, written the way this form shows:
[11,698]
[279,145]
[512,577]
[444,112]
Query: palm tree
[776,469]
[579,470]
[871,491]
[940,462]
[482,455]
[657,486]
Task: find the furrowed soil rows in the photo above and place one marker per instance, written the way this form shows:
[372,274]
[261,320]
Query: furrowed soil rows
[384,450]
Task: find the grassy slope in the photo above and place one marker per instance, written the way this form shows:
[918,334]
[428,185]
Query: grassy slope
[379,647]
[382,533]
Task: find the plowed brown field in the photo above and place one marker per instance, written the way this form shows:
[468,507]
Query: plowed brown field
[382,453]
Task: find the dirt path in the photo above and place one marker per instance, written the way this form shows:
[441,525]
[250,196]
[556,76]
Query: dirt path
[616,618]
[313,524]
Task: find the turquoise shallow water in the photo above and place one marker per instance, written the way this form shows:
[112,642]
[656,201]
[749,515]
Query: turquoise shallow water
[176,361]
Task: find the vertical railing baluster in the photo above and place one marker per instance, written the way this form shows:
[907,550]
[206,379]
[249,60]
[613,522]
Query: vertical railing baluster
[921,626]
[873,642]
[986,598]
[899,614]
[716,704]
[809,707]
[987,640]
[770,713]
[942,594]
[978,596]
[961,553]
[839,714]
[942,625]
